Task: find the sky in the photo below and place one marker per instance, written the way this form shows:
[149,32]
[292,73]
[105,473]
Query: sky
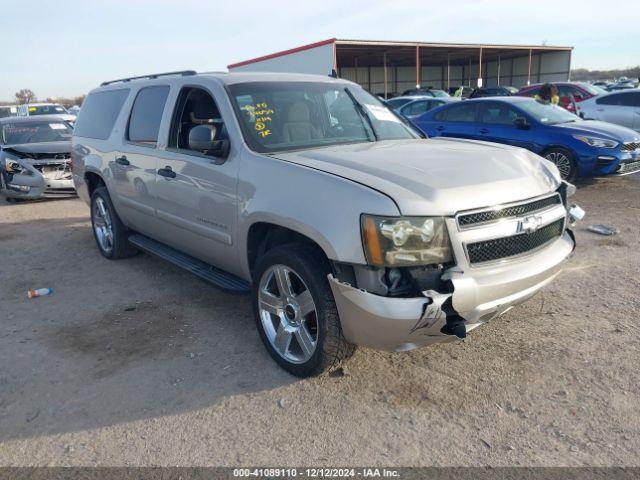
[66,48]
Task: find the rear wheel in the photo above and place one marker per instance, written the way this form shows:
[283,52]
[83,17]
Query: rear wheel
[563,159]
[295,312]
[108,230]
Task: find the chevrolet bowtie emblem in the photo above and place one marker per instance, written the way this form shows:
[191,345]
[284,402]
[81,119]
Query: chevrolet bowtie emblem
[530,224]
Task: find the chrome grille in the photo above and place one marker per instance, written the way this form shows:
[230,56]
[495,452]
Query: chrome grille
[630,146]
[468,220]
[505,247]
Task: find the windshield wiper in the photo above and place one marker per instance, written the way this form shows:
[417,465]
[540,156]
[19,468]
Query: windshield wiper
[363,112]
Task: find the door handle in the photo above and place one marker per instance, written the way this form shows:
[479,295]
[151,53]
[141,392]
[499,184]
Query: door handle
[167,172]
[122,160]
[483,131]
[440,128]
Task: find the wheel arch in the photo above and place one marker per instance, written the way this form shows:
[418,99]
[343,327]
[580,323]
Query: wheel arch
[265,234]
[93,180]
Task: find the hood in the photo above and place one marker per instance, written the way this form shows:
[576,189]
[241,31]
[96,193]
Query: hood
[39,150]
[437,176]
[601,129]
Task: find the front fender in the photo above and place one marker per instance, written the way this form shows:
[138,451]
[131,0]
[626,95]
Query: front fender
[321,206]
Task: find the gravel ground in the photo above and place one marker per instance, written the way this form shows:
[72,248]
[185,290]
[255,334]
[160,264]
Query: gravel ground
[135,362]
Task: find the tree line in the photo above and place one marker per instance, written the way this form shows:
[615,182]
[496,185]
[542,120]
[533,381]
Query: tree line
[583,74]
[26,95]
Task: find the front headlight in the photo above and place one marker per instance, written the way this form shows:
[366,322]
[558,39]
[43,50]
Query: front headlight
[597,142]
[405,241]
[11,165]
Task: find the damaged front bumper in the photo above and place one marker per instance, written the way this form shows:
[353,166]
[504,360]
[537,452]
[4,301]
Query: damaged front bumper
[37,179]
[479,295]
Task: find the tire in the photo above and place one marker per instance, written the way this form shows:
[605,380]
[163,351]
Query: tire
[281,317]
[108,230]
[565,161]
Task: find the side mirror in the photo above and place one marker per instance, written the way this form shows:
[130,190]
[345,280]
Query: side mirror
[521,123]
[201,139]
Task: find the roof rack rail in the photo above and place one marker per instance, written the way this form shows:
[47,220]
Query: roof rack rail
[184,73]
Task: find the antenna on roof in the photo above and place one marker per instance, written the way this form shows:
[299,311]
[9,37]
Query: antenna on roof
[333,73]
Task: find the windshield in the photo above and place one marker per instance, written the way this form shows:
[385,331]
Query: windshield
[46,109]
[439,93]
[547,114]
[277,116]
[599,90]
[591,89]
[35,132]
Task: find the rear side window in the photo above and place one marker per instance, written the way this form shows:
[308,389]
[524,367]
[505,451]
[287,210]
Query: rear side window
[99,113]
[626,99]
[416,108]
[458,113]
[146,115]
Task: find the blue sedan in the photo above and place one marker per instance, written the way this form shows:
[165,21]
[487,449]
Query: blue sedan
[577,147]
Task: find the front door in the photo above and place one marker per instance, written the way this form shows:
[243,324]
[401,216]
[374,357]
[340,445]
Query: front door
[497,124]
[196,193]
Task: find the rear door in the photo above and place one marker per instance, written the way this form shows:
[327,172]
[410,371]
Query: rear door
[618,108]
[497,124]
[134,167]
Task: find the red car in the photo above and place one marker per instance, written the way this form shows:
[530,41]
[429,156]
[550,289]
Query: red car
[579,91]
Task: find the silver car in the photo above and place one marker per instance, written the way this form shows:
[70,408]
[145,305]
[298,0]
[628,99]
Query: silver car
[622,108]
[345,226]
[35,157]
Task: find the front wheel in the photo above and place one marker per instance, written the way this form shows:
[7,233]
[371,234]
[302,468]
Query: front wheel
[295,312]
[108,230]
[563,159]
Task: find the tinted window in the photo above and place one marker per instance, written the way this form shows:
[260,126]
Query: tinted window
[146,115]
[567,90]
[496,113]
[99,113]
[459,113]
[416,108]
[626,99]
[530,92]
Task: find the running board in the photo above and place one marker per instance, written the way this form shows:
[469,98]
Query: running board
[219,278]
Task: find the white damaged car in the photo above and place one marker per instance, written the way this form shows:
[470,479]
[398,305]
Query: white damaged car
[35,157]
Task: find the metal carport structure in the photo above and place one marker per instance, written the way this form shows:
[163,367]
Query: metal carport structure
[390,67]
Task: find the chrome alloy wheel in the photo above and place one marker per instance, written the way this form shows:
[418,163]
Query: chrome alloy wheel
[561,161]
[102,225]
[288,314]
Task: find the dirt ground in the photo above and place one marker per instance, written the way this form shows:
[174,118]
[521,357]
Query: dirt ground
[135,362]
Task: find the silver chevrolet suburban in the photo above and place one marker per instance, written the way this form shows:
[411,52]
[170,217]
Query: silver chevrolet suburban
[345,225]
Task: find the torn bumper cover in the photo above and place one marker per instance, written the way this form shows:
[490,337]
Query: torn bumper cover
[37,178]
[479,295]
